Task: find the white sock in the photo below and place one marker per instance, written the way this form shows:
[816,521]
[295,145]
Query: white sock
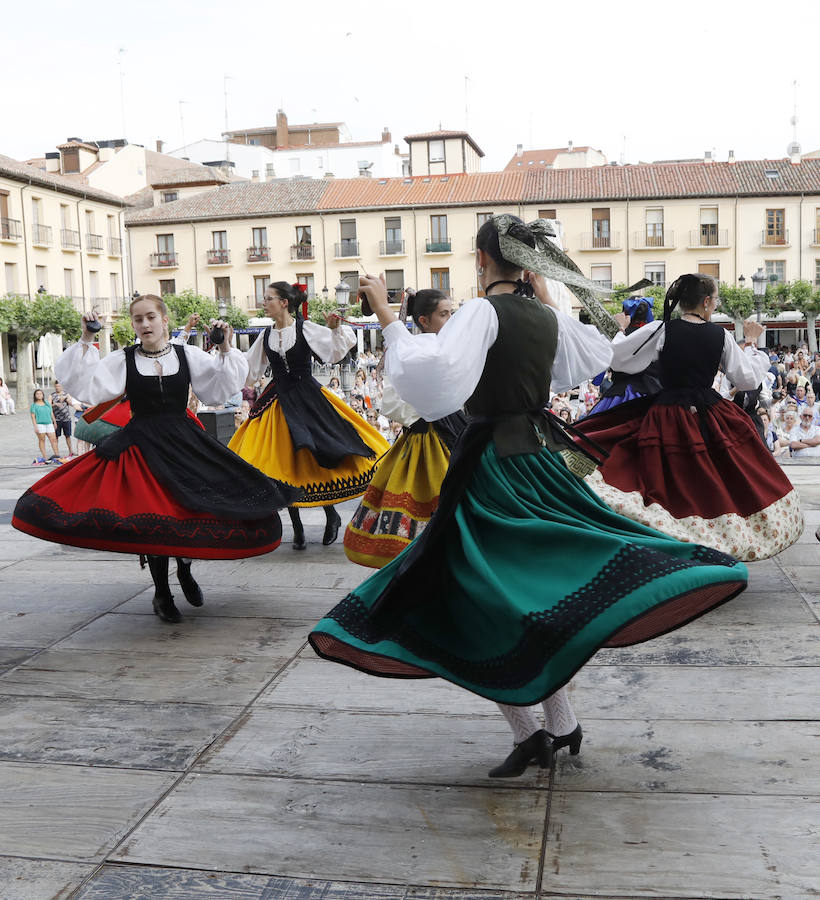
[521,719]
[559,716]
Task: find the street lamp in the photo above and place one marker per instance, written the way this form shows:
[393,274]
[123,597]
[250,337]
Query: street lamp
[342,290]
[742,281]
[324,293]
[759,283]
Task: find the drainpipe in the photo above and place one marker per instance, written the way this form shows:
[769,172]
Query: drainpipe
[416,248]
[800,245]
[80,239]
[324,251]
[25,238]
[735,237]
[626,239]
[132,286]
[124,286]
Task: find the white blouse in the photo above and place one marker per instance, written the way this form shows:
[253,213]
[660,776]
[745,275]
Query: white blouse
[329,344]
[437,373]
[94,380]
[394,407]
[744,368]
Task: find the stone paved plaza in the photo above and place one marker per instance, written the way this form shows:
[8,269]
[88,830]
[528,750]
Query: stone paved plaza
[220,758]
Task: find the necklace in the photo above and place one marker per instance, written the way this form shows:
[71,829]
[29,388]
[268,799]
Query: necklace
[153,354]
[695,315]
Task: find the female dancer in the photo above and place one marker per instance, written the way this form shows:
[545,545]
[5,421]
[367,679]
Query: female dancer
[160,486]
[686,461]
[404,493]
[299,432]
[468,600]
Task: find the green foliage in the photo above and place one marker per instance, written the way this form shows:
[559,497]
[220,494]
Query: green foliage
[121,330]
[737,302]
[184,304]
[805,298]
[317,306]
[614,303]
[45,314]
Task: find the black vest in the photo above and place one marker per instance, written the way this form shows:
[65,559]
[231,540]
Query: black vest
[691,354]
[152,394]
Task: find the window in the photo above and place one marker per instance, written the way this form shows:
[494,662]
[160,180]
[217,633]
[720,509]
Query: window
[352,278]
[436,149]
[71,160]
[222,289]
[114,289]
[220,240]
[656,273]
[775,226]
[601,275]
[270,172]
[259,237]
[112,227]
[89,222]
[394,278]
[260,283]
[547,214]
[165,243]
[600,228]
[481,218]
[816,275]
[307,281]
[94,284]
[710,268]
[255,142]
[10,271]
[170,196]
[348,245]
[440,279]
[709,226]
[303,234]
[167,286]
[392,236]
[68,282]
[816,226]
[776,267]
[438,229]
[654,228]
[41,277]
[36,210]
[65,216]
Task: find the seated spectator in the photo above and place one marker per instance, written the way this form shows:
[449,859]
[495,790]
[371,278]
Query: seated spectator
[800,395]
[6,400]
[335,387]
[242,413]
[770,436]
[804,440]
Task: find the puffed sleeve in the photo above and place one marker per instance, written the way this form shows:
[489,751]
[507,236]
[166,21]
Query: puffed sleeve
[87,377]
[744,368]
[215,378]
[256,358]
[329,344]
[582,352]
[394,407]
[633,353]
[437,373]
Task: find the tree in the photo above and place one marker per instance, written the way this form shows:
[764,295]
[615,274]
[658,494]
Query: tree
[121,330]
[807,300]
[655,295]
[737,302]
[317,306]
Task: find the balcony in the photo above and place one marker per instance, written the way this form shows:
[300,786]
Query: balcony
[703,237]
[219,256]
[93,243]
[592,241]
[774,239]
[258,254]
[653,239]
[10,230]
[439,246]
[347,248]
[604,284]
[41,235]
[115,246]
[391,248]
[69,239]
[164,260]
[305,251]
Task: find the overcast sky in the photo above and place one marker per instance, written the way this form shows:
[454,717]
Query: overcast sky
[638,80]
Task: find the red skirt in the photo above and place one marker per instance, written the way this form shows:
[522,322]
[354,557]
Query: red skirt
[118,504]
[705,478]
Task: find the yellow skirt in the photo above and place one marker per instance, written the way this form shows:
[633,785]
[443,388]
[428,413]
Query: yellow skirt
[265,442]
[399,501]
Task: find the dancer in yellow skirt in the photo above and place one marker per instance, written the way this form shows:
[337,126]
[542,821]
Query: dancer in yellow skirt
[297,429]
[404,492]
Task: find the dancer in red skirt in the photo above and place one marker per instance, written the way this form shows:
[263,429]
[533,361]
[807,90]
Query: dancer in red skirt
[160,486]
[685,461]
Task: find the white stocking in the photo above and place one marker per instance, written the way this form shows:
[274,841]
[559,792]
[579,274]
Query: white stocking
[559,717]
[521,720]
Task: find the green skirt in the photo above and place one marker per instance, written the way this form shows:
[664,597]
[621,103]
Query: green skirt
[533,573]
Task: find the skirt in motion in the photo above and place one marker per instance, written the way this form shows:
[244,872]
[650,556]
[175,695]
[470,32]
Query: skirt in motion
[520,577]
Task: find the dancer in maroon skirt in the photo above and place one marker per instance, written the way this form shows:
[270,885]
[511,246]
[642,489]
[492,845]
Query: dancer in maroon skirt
[160,486]
[685,461]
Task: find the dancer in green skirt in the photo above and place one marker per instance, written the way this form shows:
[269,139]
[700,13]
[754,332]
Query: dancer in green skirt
[522,573]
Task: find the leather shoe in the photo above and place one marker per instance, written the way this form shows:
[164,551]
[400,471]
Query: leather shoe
[537,748]
[192,591]
[299,539]
[164,608]
[571,740]
[332,529]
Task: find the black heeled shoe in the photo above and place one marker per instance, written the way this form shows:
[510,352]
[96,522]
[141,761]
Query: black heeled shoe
[299,539]
[536,749]
[571,740]
[190,588]
[165,608]
[331,529]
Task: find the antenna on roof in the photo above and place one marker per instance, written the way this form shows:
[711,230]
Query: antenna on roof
[122,89]
[794,147]
[227,142]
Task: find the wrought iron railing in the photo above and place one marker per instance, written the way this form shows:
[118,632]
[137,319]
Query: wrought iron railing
[41,234]
[219,257]
[440,246]
[10,230]
[774,238]
[306,251]
[114,246]
[347,248]
[709,237]
[391,248]
[94,243]
[592,241]
[258,254]
[164,260]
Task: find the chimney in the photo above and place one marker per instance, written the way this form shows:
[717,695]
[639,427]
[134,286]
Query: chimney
[53,163]
[707,156]
[569,147]
[160,145]
[282,130]
[255,175]
[794,152]
[519,150]
[386,136]
[731,159]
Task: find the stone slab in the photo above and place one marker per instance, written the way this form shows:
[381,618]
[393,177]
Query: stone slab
[75,813]
[706,643]
[367,747]
[677,692]
[750,608]
[682,846]
[216,681]
[693,757]
[34,879]
[13,656]
[447,837]
[49,569]
[803,577]
[195,636]
[107,732]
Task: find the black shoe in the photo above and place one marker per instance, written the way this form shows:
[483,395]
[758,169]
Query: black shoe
[571,740]
[535,749]
[299,539]
[192,591]
[164,608]
[332,529]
